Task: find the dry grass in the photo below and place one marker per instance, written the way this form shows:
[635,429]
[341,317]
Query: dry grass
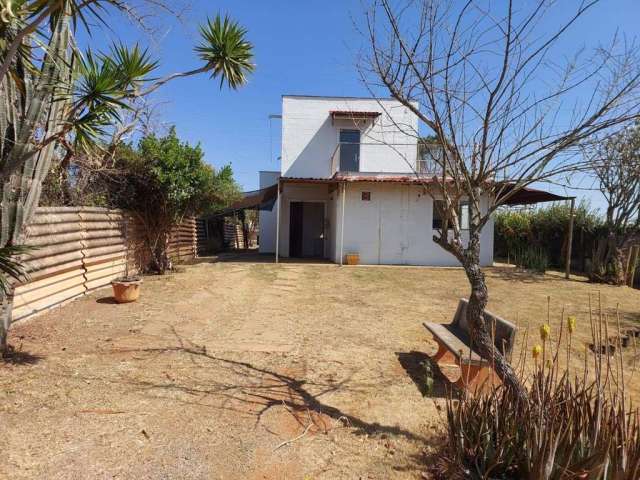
[218,365]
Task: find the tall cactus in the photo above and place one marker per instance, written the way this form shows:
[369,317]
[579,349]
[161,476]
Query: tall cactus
[32,104]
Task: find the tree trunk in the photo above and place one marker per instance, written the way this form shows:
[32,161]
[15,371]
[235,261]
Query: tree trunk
[480,333]
[5,321]
[160,261]
[608,264]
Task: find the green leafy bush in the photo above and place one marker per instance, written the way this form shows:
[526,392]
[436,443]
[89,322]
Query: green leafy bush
[161,182]
[545,229]
[531,258]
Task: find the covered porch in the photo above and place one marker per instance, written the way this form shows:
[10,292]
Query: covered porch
[386,218]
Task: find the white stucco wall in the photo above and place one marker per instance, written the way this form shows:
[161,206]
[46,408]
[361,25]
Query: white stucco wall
[309,138]
[395,227]
[267,219]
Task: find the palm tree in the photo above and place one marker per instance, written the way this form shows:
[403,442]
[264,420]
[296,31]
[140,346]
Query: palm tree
[68,101]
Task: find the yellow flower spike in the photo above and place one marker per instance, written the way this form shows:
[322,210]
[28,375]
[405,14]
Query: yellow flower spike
[571,323]
[545,331]
[537,351]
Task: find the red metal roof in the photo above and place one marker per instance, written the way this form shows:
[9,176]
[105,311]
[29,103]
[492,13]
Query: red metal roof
[345,177]
[524,196]
[384,178]
[353,114]
[307,180]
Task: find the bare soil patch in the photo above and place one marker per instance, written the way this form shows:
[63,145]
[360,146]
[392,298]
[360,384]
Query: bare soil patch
[252,370]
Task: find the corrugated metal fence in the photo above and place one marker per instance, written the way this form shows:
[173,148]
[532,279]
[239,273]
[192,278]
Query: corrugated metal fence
[183,244]
[233,237]
[80,249]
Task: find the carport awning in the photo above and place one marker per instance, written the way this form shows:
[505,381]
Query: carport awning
[526,195]
[262,199]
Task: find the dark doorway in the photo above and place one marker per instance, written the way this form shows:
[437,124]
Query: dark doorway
[306,229]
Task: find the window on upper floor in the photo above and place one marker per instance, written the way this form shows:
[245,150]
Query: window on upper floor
[428,161]
[349,150]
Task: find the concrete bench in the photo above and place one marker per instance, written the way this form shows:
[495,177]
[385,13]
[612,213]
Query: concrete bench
[455,346]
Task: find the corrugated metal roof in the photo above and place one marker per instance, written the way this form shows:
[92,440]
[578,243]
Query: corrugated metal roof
[346,177]
[262,199]
[353,114]
[307,180]
[524,196]
[527,195]
[384,178]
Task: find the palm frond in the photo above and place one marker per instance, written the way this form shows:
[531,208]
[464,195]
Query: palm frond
[132,64]
[11,266]
[226,51]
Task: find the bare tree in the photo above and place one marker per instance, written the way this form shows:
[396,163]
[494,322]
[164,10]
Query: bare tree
[487,79]
[616,166]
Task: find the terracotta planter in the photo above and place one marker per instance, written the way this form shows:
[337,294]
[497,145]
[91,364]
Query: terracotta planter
[126,290]
[352,258]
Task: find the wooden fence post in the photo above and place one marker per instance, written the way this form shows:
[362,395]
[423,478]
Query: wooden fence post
[567,272]
[633,263]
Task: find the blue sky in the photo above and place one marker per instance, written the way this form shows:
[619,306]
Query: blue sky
[301,47]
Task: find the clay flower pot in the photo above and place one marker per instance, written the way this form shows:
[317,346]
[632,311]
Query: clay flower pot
[126,290]
[352,258]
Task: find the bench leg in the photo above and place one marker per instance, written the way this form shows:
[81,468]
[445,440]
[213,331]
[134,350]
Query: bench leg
[443,354]
[475,378]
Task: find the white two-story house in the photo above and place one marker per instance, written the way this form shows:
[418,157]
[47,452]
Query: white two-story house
[348,184]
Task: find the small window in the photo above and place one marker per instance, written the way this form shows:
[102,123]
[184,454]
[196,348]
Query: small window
[438,206]
[429,159]
[366,196]
[463,215]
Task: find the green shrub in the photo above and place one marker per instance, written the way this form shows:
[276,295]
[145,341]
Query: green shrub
[545,228]
[531,258]
[162,181]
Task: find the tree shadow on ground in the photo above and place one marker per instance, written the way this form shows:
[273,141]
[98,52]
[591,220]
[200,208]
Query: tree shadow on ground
[253,256]
[252,389]
[19,357]
[628,315]
[512,274]
[424,373]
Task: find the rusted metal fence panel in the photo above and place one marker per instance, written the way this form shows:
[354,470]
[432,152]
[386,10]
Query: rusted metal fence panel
[81,249]
[183,244]
[233,236]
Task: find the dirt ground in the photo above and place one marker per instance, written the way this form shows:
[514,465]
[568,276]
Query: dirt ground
[242,369]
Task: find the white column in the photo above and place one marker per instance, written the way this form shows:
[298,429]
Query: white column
[278,224]
[344,195]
